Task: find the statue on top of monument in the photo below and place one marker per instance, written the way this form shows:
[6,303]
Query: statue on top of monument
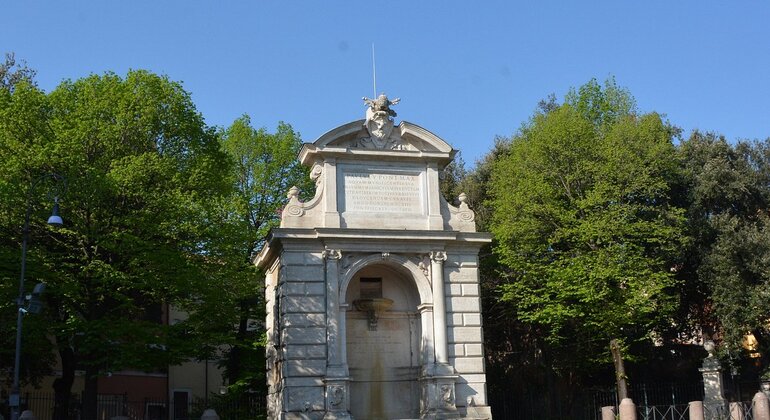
[379,125]
[382,103]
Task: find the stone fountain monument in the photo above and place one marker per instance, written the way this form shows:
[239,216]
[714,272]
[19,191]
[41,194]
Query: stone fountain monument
[372,287]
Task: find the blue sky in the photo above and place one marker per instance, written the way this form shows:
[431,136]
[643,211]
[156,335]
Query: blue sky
[467,71]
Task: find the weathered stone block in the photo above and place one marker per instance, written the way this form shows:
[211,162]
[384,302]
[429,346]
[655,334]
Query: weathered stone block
[462,260]
[310,367]
[455,319]
[453,289]
[302,258]
[310,351]
[464,335]
[470,378]
[304,335]
[472,320]
[303,289]
[304,320]
[310,415]
[456,350]
[295,304]
[462,275]
[477,390]
[474,350]
[303,381]
[463,304]
[304,399]
[468,364]
[303,273]
[470,289]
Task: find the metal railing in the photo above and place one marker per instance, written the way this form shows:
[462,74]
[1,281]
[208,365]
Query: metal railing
[664,412]
[112,406]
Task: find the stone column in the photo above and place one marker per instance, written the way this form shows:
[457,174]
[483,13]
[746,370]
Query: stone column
[336,380]
[439,306]
[344,336]
[764,386]
[627,409]
[438,388]
[332,259]
[435,220]
[331,212]
[736,411]
[427,353]
[209,414]
[713,389]
[760,406]
[608,413]
[696,410]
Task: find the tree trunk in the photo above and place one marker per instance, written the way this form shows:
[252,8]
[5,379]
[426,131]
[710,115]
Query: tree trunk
[620,369]
[90,391]
[62,387]
[236,353]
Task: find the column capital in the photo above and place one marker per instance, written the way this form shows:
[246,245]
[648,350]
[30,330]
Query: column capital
[425,307]
[332,254]
[438,256]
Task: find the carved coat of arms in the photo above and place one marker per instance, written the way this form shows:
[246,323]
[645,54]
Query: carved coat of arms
[379,124]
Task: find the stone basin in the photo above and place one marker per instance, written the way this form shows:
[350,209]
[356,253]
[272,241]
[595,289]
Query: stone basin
[373,304]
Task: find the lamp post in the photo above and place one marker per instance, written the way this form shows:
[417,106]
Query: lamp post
[54,220]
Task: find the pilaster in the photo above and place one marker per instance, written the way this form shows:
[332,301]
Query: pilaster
[438,389]
[336,382]
[713,389]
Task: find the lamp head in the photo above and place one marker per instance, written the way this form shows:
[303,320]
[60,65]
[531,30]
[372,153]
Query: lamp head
[55,220]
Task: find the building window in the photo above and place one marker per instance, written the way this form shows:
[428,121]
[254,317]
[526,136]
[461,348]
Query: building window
[371,288]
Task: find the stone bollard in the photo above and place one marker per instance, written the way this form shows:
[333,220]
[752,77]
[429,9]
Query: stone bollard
[210,414]
[27,415]
[760,406]
[608,413]
[627,409]
[736,411]
[696,410]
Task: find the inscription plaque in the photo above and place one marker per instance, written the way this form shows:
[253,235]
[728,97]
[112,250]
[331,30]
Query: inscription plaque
[371,192]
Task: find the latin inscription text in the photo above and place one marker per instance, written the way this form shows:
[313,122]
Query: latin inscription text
[382,193]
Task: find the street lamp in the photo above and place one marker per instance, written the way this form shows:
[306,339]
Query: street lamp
[54,220]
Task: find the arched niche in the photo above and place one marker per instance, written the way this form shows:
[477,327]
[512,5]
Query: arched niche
[386,363]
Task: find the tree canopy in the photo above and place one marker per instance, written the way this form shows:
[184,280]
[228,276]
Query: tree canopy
[140,164]
[729,196]
[586,231]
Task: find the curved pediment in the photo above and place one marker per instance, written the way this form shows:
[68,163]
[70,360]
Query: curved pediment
[405,136]
[406,140]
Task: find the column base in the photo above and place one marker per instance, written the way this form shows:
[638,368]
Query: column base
[438,396]
[337,397]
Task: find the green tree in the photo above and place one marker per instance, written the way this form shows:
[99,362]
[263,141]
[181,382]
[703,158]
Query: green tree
[140,165]
[13,72]
[585,227]
[22,110]
[729,199]
[263,167]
